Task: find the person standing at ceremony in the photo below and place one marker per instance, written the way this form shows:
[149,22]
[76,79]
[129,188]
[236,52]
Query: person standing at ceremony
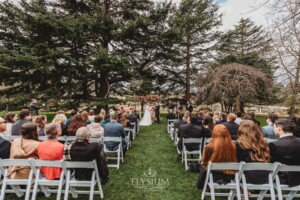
[4,144]
[157,113]
[33,108]
[286,150]
[189,107]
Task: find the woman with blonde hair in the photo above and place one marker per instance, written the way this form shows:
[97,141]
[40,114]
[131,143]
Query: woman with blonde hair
[219,150]
[252,147]
[61,119]
[85,117]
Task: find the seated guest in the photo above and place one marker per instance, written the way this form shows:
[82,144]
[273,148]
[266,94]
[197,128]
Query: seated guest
[40,121]
[85,117]
[252,114]
[286,150]
[186,115]
[180,120]
[106,117]
[296,132]
[82,150]
[219,150]
[238,117]
[61,119]
[252,147]
[10,118]
[91,116]
[68,122]
[75,124]
[231,125]
[23,148]
[268,130]
[51,149]
[132,118]
[96,128]
[114,129]
[171,115]
[190,130]
[4,144]
[25,117]
[200,117]
[222,118]
[124,121]
[207,126]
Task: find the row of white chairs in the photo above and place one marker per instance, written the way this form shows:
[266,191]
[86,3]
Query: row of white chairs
[37,182]
[241,189]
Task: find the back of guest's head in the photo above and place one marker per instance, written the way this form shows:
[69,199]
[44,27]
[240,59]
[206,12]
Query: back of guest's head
[76,123]
[208,121]
[272,117]
[40,121]
[222,146]
[248,117]
[231,117]
[170,111]
[82,134]
[85,115]
[98,119]
[251,138]
[113,115]
[91,112]
[287,125]
[23,114]
[103,112]
[223,115]
[59,118]
[130,112]
[180,114]
[29,131]
[60,112]
[187,114]
[52,130]
[252,114]
[73,112]
[33,101]
[238,114]
[9,117]
[193,118]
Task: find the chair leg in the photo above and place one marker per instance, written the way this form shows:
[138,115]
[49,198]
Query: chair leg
[3,188]
[59,190]
[92,186]
[67,185]
[34,193]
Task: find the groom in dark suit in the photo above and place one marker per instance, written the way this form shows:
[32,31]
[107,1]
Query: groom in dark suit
[157,112]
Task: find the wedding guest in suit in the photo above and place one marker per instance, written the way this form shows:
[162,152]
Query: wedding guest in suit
[252,147]
[222,119]
[23,148]
[157,113]
[268,130]
[286,150]
[180,120]
[33,108]
[190,130]
[297,129]
[51,149]
[171,115]
[4,144]
[82,150]
[25,117]
[231,125]
[114,129]
[219,150]
[10,118]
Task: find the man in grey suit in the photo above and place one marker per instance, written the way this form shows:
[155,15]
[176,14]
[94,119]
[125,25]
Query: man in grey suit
[24,117]
[114,129]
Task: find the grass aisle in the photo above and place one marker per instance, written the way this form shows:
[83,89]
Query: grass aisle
[153,149]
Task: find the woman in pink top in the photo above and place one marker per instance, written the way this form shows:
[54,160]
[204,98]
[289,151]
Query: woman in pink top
[51,149]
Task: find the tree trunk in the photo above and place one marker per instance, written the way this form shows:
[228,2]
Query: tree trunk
[295,89]
[238,103]
[188,71]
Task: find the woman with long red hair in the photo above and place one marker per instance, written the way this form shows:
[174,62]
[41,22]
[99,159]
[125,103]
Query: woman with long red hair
[76,123]
[219,150]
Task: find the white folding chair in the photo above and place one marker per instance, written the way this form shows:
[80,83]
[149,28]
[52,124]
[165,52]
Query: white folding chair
[133,129]
[128,136]
[69,139]
[291,191]
[15,183]
[6,137]
[185,152]
[40,180]
[269,140]
[118,151]
[96,140]
[72,183]
[12,137]
[263,188]
[170,125]
[176,139]
[233,186]
[43,138]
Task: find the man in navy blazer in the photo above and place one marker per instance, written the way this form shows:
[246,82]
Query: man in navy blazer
[286,150]
[114,129]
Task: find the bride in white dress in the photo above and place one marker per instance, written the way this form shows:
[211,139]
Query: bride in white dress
[146,120]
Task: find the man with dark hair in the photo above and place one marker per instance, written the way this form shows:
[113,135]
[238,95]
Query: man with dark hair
[24,117]
[238,117]
[190,130]
[286,150]
[268,130]
[232,126]
[222,119]
[33,108]
[4,144]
